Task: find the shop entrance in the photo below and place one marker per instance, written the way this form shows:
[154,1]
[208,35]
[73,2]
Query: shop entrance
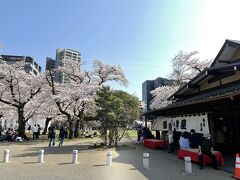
[225,130]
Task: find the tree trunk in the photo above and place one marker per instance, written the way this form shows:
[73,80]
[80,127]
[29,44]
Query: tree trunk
[110,136]
[48,119]
[77,126]
[78,123]
[70,128]
[116,137]
[82,125]
[21,128]
[21,123]
[104,135]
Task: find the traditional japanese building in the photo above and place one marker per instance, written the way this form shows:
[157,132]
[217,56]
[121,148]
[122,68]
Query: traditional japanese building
[210,101]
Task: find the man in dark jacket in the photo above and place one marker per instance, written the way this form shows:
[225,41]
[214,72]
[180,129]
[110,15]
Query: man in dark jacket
[62,135]
[194,139]
[51,135]
[206,147]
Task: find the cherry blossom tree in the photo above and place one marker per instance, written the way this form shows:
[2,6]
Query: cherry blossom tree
[48,111]
[186,65]
[7,116]
[72,98]
[160,96]
[21,92]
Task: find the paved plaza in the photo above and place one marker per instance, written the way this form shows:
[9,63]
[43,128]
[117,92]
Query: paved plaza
[127,163]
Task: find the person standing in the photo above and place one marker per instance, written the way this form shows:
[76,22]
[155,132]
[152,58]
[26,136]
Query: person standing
[51,135]
[38,130]
[139,133]
[34,131]
[62,135]
[29,128]
[170,139]
[206,148]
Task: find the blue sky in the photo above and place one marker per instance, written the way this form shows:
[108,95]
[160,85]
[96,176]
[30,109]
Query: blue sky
[141,36]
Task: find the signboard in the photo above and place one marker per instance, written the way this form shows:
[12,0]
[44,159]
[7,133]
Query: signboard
[199,123]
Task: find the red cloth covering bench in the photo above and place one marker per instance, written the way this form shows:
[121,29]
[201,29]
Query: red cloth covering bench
[193,153]
[153,143]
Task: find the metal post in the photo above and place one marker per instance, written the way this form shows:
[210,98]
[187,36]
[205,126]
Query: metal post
[40,156]
[146,160]
[6,156]
[109,157]
[188,165]
[75,157]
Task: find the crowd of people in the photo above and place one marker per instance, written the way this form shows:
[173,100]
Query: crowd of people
[186,140]
[8,135]
[202,142]
[189,140]
[52,135]
[36,130]
[143,133]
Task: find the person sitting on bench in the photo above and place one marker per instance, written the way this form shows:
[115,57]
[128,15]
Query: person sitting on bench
[206,148]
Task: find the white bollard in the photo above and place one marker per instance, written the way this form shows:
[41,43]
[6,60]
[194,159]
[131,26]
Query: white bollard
[6,156]
[188,165]
[75,157]
[146,160]
[109,157]
[40,156]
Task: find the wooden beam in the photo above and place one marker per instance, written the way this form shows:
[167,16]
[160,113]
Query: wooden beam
[192,86]
[221,75]
[223,61]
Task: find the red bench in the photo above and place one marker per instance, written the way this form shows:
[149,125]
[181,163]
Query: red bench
[193,153]
[154,143]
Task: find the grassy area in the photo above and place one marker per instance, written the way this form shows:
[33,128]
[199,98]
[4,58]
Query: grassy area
[131,134]
[43,138]
[128,135]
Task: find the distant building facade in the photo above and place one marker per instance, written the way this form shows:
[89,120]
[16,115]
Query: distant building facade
[61,56]
[50,63]
[147,87]
[31,66]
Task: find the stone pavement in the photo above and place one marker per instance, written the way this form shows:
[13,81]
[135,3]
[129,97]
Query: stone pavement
[127,164]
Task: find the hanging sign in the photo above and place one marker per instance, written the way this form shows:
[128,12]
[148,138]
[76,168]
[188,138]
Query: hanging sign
[199,123]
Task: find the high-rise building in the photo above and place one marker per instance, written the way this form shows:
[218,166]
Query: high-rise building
[61,56]
[147,87]
[30,66]
[50,63]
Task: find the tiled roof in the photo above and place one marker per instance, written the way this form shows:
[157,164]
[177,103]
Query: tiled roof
[213,95]
[202,98]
